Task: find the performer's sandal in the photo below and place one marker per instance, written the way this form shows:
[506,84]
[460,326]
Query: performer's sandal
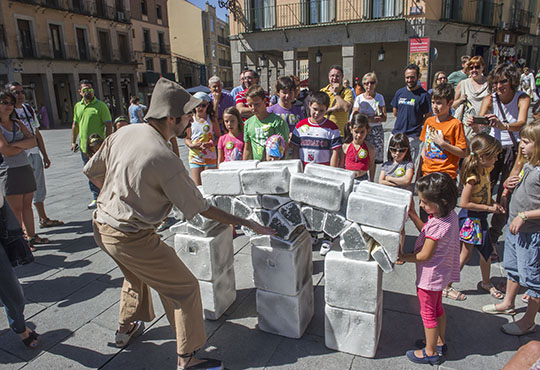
[31,341]
[206,364]
[122,339]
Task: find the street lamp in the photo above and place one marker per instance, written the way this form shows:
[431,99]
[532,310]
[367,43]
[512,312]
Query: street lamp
[381,53]
[263,61]
[318,57]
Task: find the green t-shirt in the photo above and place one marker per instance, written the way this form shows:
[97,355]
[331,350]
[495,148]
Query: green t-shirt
[91,119]
[256,132]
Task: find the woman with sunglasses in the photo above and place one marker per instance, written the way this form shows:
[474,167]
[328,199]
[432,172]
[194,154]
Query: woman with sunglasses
[202,137]
[16,175]
[506,109]
[372,105]
[438,78]
[470,93]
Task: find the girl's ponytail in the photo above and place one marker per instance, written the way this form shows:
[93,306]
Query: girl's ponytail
[481,145]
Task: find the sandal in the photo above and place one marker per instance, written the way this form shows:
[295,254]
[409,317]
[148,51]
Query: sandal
[47,222]
[525,298]
[207,363]
[452,293]
[36,239]
[31,341]
[122,339]
[399,262]
[494,292]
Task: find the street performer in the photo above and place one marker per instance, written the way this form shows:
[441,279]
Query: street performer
[141,179]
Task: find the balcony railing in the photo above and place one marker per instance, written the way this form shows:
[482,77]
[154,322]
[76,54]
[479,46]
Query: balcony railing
[223,40]
[521,21]
[309,13]
[480,12]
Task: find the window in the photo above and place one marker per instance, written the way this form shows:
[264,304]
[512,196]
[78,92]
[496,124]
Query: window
[213,50]
[82,44]
[104,46]
[144,7]
[206,50]
[161,41]
[125,55]
[211,24]
[147,42]
[77,6]
[158,12]
[25,35]
[56,40]
[150,64]
[204,21]
[163,65]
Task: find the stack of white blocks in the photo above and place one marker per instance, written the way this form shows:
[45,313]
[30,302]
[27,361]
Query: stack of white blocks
[368,222]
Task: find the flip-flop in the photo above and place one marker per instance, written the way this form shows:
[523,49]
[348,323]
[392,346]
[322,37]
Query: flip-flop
[490,308]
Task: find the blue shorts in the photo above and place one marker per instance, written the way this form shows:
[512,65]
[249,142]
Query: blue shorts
[522,260]
[195,165]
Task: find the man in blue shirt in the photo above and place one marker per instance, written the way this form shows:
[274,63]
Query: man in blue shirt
[411,105]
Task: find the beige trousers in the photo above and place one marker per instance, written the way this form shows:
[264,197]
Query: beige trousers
[147,261]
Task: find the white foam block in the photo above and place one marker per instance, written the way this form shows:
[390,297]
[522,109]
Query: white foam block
[253,201]
[352,284]
[335,224]
[202,223]
[206,257]
[219,295]
[265,180]
[221,182]
[294,165]
[391,241]
[273,202]
[285,315]
[314,218]
[353,332]
[318,192]
[280,270]
[372,210]
[398,195]
[283,227]
[238,165]
[333,173]
[379,255]
[276,242]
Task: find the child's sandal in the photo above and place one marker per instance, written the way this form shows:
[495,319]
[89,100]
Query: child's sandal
[452,293]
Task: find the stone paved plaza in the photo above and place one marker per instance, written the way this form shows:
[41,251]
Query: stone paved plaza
[73,288]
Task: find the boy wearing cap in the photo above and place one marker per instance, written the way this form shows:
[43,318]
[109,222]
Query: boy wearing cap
[138,189]
[259,127]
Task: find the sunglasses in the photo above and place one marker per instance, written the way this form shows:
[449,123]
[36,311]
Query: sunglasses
[6,102]
[442,78]
[370,83]
[475,67]
[203,105]
[87,90]
[18,92]
[500,82]
[399,150]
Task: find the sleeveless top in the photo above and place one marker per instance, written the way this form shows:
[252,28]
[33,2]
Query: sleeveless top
[511,111]
[18,160]
[202,133]
[357,160]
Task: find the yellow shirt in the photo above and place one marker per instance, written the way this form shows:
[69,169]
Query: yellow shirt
[339,118]
[481,192]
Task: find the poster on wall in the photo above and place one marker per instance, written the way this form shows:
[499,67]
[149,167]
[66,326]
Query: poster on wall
[419,55]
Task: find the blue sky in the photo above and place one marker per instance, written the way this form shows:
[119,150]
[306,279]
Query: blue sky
[221,12]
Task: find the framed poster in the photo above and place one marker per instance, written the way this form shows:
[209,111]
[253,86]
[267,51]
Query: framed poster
[419,55]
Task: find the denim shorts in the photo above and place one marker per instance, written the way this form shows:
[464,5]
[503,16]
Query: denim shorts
[522,260]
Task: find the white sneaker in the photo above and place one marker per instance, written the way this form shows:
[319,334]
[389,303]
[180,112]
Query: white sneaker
[92,205]
[325,248]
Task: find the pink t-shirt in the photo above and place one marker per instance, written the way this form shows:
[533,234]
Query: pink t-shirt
[233,147]
[443,267]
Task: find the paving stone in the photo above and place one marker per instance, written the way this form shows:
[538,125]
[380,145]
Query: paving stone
[252,201]
[364,295]
[318,192]
[294,165]
[372,210]
[280,270]
[10,362]
[221,182]
[285,315]
[219,295]
[390,241]
[333,173]
[352,332]
[206,257]
[265,180]
[335,224]
[273,202]
[379,255]
[239,165]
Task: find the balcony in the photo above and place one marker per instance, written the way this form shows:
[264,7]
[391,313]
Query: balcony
[480,12]
[156,48]
[223,40]
[224,62]
[321,12]
[521,22]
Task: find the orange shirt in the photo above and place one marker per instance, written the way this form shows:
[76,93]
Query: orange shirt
[434,158]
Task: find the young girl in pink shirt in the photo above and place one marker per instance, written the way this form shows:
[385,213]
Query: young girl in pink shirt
[436,255]
[231,145]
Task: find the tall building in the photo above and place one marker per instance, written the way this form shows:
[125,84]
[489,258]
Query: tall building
[151,45]
[280,36]
[199,44]
[50,45]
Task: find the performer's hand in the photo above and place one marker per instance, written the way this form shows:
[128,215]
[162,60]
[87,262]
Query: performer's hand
[260,229]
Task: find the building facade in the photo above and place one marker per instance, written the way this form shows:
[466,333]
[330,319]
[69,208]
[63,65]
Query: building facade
[151,44]
[50,45]
[199,44]
[289,34]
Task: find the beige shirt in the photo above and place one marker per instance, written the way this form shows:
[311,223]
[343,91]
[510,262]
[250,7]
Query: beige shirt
[143,178]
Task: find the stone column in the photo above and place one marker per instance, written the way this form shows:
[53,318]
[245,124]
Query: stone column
[118,95]
[47,82]
[74,80]
[291,62]
[238,60]
[98,89]
[347,55]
